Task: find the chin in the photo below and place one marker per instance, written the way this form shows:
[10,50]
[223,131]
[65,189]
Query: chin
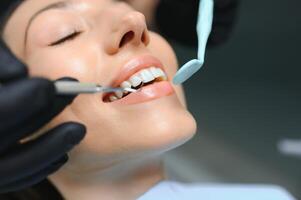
[166,127]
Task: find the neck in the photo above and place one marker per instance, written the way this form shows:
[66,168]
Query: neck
[124,181]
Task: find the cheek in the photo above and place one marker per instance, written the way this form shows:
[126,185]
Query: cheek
[54,63]
[163,50]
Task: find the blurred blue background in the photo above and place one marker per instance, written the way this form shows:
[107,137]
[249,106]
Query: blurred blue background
[245,100]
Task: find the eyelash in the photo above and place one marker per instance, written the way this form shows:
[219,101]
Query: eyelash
[67,38]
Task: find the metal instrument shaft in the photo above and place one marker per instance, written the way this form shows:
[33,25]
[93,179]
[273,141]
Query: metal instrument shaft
[73,88]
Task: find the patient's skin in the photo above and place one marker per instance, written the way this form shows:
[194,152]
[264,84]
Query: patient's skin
[147,7]
[119,157]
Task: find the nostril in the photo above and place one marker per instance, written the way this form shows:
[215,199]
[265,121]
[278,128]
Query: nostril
[144,37]
[126,38]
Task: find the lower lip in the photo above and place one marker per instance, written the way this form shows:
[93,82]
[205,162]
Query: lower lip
[147,93]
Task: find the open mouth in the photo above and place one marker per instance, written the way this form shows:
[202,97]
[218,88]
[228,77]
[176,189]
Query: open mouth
[140,79]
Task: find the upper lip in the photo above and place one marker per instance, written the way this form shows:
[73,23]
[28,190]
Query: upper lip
[135,65]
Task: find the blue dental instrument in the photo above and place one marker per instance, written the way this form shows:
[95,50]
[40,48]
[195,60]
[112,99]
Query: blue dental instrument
[204,27]
[73,88]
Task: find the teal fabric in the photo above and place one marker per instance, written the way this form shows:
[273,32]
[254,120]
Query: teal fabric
[204,27]
[168,190]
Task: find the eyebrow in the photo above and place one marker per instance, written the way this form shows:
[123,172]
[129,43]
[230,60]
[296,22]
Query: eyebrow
[57,5]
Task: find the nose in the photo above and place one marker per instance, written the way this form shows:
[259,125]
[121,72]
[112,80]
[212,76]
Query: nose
[129,30]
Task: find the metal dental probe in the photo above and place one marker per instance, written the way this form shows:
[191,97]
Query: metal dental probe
[71,88]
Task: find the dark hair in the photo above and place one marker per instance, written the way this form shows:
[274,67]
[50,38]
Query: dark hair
[7,7]
[43,190]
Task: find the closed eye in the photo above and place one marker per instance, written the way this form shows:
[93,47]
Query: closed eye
[65,39]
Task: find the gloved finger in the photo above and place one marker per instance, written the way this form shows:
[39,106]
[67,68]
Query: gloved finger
[38,154]
[10,67]
[22,99]
[33,178]
[24,112]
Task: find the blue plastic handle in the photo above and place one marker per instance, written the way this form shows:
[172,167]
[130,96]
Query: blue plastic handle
[204,27]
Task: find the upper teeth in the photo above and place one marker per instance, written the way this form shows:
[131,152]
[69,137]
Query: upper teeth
[143,76]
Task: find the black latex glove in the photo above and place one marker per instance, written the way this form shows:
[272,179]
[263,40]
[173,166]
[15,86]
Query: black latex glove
[26,104]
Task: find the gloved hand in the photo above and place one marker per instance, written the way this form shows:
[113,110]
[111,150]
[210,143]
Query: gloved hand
[26,104]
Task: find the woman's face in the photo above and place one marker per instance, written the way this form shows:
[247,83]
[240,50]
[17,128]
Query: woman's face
[105,42]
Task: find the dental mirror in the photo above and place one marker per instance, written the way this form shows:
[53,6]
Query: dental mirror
[204,27]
